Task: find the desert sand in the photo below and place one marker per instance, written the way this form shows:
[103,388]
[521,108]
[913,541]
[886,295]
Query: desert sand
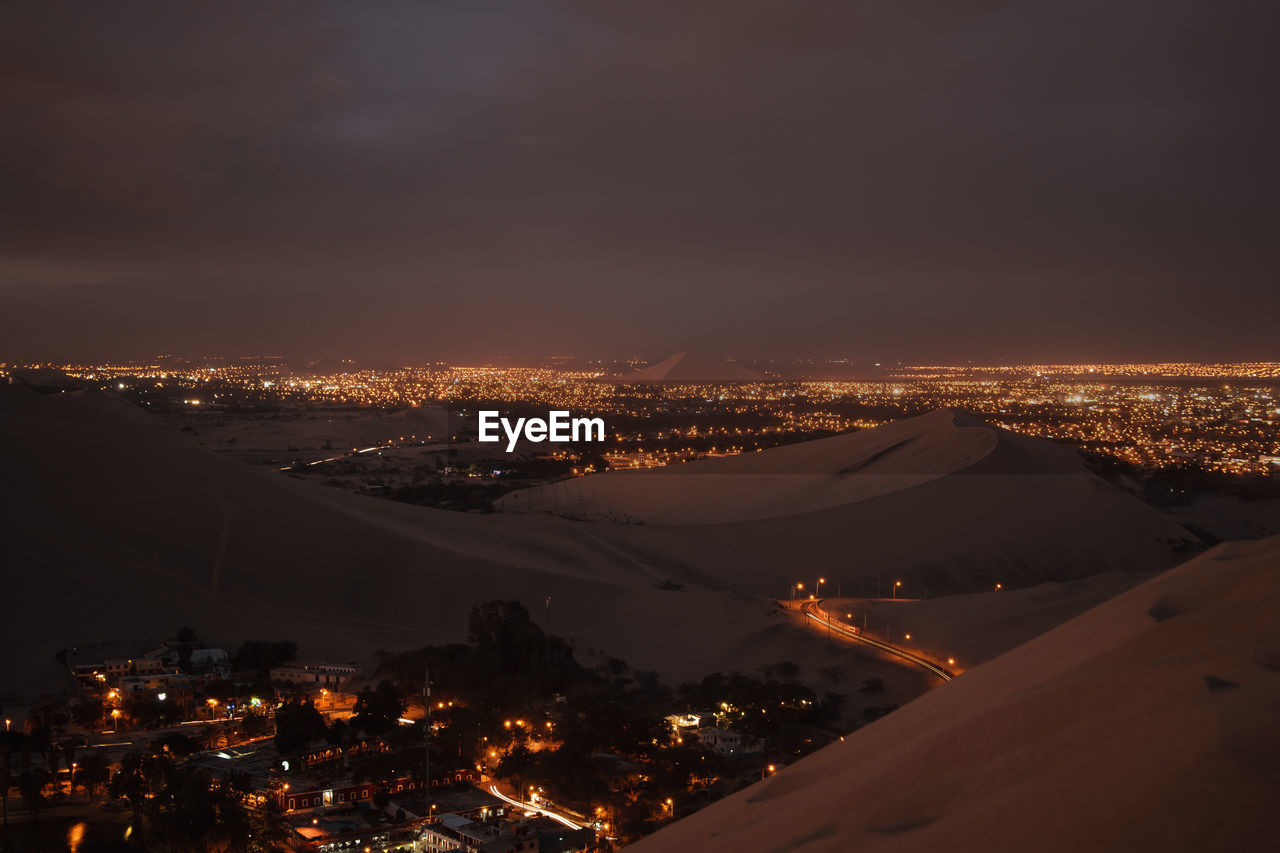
[942,501]
[127,528]
[119,526]
[1147,723]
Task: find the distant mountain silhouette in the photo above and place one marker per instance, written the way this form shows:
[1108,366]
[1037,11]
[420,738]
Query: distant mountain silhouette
[691,367]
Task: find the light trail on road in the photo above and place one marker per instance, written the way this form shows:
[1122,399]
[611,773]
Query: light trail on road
[823,618]
[493,789]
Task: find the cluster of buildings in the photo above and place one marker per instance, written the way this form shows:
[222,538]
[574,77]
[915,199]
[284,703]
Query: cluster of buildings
[122,670]
[329,810]
[703,726]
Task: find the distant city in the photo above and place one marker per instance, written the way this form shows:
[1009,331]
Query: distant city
[1221,417]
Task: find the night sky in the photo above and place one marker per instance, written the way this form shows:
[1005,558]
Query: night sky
[907,179]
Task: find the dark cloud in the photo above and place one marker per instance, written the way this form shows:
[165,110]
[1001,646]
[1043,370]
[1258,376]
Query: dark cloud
[991,179]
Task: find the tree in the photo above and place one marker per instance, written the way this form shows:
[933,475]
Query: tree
[6,778]
[186,645]
[68,750]
[872,685]
[31,786]
[192,811]
[377,711]
[93,772]
[787,670]
[177,744]
[140,777]
[297,724]
[254,725]
[504,631]
[833,674]
[88,713]
[267,829]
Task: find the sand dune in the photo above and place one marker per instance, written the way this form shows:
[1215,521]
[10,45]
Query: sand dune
[943,502]
[131,529]
[790,480]
[976,627]
[1147,723]
[118,526]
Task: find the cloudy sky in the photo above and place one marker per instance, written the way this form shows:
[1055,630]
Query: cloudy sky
[914,179]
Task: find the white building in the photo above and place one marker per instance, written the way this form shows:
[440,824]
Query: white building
[329,675]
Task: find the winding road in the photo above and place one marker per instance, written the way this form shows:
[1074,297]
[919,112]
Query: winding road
[530,807]
[813,612]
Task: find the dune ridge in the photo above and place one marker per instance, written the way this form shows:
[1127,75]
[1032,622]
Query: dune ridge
[1147,722]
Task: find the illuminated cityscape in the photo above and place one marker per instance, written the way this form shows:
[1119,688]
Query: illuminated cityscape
[572,427]
[1223,417]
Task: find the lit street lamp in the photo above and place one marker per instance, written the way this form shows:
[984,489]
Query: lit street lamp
[896,584]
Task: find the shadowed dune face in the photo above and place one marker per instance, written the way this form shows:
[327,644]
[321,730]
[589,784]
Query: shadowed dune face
[1116,731]
[120,526]
[790,480]
[805,477]
[943,502]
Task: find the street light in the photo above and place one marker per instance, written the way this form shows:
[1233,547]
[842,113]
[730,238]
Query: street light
[896,584]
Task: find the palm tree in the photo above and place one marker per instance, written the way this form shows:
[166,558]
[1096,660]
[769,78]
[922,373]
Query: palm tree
[93,772]
[31,786]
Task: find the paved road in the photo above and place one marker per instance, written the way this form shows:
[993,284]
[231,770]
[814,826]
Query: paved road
[530,807]
[814,613]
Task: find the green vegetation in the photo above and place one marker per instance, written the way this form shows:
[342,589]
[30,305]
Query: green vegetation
[595,739]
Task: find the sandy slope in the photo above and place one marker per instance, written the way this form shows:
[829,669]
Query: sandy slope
[976,627]
[117,526]
[791,480]
[1147,723]
[805,477]
[942,501]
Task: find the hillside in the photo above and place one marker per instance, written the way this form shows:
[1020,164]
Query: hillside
[1147,723]
[942,501]
[788,480]
[133,529]
[127,528]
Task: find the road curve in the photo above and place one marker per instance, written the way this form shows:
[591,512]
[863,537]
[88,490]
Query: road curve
[530,807]
[823,618]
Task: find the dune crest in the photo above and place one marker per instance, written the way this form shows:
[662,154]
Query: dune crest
[794,479]
[1146,723]
[691,367]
